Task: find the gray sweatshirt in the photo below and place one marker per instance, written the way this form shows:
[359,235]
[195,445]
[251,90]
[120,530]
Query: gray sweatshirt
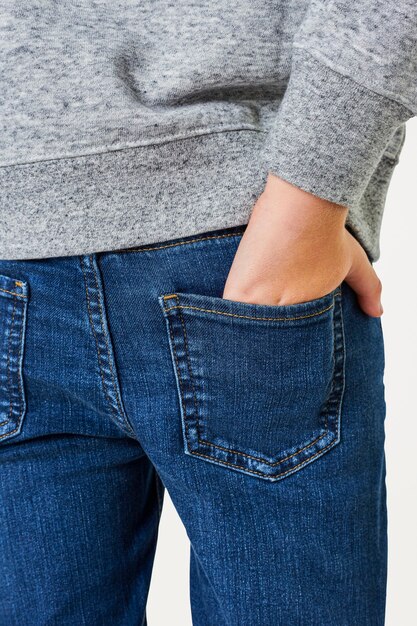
[125,122]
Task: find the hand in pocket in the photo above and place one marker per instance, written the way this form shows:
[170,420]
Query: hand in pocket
[295,249]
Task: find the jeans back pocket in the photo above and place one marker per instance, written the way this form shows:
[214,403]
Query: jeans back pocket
[260,386]
[14,295]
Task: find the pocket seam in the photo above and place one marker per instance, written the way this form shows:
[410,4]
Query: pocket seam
[248,317]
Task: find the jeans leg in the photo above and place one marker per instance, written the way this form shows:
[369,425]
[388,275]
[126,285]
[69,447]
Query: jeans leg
[79,500]
[266,425]
[79,520]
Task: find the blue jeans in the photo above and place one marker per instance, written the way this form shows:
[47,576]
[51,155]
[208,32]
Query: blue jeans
[125,372]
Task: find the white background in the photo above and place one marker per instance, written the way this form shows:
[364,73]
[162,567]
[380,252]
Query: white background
[169,597]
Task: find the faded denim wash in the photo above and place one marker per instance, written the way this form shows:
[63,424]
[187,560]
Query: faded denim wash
[123,372]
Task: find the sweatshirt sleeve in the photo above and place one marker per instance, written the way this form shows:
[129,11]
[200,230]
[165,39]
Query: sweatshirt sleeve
[353,82]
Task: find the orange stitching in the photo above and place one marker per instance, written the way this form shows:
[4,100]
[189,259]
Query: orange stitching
[182,243]
[186,424]
[19,386]
[219,461]
[249,456]
[19,372]
[12,432]
[231,450]
[191,376]
[251,317]
[292,469]
[18,283]
[342,369]
[8,360]
[13,293]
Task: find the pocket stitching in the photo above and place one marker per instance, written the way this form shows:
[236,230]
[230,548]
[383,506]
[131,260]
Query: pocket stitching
[230,450]
[337,388]
[248,317]
[9,377]
[272,476]
[13,293]
[20,407]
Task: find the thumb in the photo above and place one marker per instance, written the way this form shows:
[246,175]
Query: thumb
[364,281]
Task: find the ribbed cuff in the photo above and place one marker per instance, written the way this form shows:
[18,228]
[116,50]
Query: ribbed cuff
[330,132]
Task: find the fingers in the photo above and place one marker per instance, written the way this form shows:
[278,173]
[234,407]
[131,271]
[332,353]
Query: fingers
[364,281]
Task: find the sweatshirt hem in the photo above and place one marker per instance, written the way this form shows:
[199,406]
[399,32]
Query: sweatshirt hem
[131,197]
[126,145]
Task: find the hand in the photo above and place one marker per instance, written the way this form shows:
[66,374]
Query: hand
[296,248]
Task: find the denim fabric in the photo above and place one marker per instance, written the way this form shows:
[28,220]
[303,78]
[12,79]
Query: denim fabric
[123,372]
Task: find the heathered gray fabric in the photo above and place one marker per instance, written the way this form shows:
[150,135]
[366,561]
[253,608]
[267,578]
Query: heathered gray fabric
[125,123]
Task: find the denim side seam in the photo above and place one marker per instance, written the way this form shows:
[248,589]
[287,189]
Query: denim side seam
[331,410]
[105,357]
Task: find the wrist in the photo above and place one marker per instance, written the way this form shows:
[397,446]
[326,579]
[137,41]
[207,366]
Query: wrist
[299,209]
